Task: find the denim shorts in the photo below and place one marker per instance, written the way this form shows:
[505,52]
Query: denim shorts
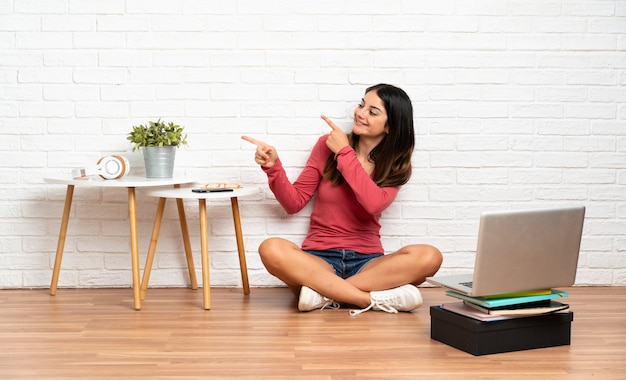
[346,263]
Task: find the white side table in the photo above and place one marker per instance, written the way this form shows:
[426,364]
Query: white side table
[185,193]
[129,182]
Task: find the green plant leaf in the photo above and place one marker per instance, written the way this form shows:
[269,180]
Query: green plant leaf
[157,133]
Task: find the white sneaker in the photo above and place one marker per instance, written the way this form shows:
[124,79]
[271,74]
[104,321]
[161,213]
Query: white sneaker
[312,300]
[402,298]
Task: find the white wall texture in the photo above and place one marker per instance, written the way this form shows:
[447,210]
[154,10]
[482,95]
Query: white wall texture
[518,104]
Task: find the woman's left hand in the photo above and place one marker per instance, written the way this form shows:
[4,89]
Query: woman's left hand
[337,139]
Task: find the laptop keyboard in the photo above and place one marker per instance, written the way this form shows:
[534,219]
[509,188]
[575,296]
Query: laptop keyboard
[468,284]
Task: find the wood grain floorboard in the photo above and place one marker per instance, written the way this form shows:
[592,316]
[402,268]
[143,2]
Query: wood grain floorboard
[96,334]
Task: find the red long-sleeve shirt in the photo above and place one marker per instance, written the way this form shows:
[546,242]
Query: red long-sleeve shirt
[344,216]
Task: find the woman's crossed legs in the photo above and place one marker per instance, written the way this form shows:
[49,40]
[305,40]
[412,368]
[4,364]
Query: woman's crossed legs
[409,265]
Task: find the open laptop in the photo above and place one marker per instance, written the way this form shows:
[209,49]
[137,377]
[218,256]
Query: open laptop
[521,251]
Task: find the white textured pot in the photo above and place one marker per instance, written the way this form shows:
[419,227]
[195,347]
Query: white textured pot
[159,161]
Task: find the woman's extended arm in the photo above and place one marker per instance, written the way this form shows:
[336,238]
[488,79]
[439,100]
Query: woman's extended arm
[292,197]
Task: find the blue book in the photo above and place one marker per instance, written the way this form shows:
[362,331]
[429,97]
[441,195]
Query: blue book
[507,301]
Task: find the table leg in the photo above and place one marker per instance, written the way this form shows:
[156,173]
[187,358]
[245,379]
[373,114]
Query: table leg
[134,246]
[204,247]
[153,243]
[242,253]
[188,253]
[61,242]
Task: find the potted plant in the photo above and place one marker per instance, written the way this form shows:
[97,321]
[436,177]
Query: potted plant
[159,142]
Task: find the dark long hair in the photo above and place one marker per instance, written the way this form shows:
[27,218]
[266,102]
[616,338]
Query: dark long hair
[392,156]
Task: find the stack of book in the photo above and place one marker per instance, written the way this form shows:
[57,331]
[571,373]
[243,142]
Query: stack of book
[508,306]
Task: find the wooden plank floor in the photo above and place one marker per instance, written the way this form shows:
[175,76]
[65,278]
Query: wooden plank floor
[96,334]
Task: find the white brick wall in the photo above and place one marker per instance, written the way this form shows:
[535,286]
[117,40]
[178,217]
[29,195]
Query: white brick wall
[518,104]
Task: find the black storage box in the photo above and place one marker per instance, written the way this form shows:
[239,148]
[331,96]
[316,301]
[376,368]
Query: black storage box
[482,338]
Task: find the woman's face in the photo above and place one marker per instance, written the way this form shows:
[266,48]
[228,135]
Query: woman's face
[370,117]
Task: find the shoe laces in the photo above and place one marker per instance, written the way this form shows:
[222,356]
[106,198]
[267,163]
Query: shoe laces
[376,305]
[330,304]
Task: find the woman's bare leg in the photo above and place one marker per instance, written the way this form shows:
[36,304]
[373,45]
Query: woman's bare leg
[409,265]
[295,267]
